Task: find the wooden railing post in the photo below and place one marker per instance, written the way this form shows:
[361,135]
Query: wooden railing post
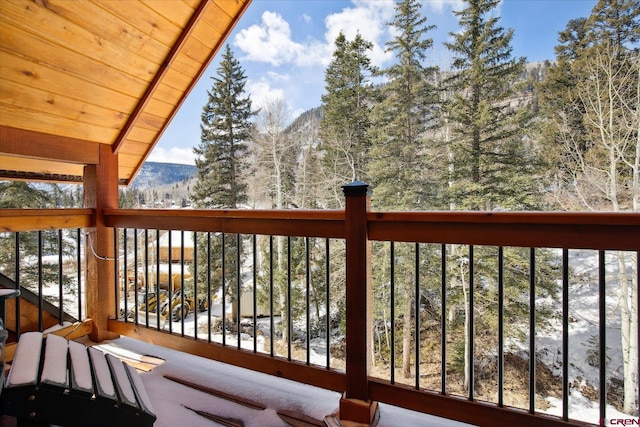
[101,192]
[355,404]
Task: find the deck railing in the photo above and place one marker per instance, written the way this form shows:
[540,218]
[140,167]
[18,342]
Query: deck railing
[42,255]
[486,298]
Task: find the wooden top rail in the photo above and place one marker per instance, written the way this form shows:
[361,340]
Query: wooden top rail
[302,223]
[17,220]
[579,230]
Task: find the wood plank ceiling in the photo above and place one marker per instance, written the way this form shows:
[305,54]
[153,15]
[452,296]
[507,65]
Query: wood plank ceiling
[76,74]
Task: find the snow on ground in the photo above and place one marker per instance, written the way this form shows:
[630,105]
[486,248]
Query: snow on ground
[583,330]
[583,326]
[583,336]
[169,398]
[584,409]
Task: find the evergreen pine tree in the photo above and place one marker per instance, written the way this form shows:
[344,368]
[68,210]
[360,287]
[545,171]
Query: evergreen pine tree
[555,94]
[493,164]
[397,169]
[616,22]
[346,109]
[221,162]
[18,194]
[492,159]
[226,126]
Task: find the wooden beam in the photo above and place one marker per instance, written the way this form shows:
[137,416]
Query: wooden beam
[17,220]
[355,405]
[576,230]
[157,79]
[358,296]
[37,145]
[188,29]
[291,222]
[101,192]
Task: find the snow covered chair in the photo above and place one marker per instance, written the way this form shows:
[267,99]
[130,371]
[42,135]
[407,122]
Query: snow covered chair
[55,381]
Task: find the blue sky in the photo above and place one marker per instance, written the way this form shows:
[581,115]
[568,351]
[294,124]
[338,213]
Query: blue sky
[284,47]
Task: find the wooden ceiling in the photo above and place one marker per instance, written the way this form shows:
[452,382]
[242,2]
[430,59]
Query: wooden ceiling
[78,73]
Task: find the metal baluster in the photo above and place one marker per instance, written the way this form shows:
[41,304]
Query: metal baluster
[61,279]
[392,294]
[289,326]
[196,304]
[238,290]
[182,311]
[471,325]
[125,276]
[135,275]
[158,278]
[443,320]
[80,270]
[602,307]
[565,334]
[307,296]
[532,330]
[170,287]
[146,275]
[271,322]
[40,282]
[255,294]
[224,289]
[500,326]
[417,313]
[17,277]
[116,275]
[209,301]
[327,302]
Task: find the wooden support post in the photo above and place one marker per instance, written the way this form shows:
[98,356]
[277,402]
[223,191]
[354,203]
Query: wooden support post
[355,405]
[101,192]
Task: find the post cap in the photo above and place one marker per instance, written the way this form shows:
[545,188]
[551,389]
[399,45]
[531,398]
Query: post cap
[356,188]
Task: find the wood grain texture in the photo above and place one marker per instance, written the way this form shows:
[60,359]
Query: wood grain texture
[34,145]
[108,71]
[18,220]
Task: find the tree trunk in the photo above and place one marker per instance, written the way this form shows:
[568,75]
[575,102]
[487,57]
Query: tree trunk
[629,320]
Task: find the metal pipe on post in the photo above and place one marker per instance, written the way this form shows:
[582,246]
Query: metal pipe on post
[355,404]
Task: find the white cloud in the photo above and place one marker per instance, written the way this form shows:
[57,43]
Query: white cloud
[172,155]
[270,41]
[315,53]
[261,92]
[367,18]
[277,77]
[439,5]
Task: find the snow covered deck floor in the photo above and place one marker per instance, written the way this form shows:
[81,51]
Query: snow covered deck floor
[169,398]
